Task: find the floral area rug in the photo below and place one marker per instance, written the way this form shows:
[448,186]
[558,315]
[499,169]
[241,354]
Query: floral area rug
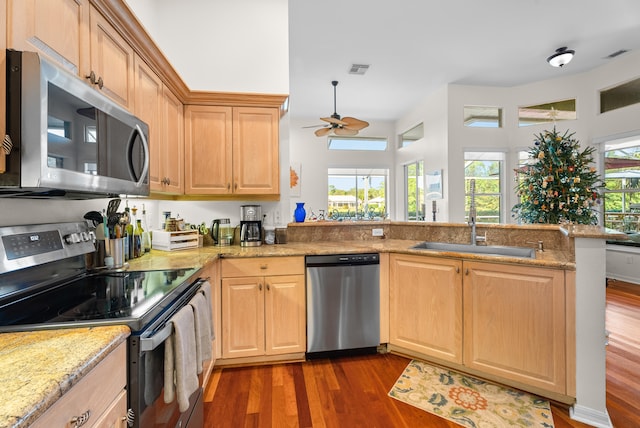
[468,401]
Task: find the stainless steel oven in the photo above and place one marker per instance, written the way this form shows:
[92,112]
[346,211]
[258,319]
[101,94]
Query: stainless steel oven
[44,284]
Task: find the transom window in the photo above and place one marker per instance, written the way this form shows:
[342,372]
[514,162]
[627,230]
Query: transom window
[357,143]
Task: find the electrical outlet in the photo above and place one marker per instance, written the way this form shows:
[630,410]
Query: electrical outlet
[629,260]
[377,232]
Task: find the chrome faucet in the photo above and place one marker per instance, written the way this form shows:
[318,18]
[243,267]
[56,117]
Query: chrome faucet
[472,215]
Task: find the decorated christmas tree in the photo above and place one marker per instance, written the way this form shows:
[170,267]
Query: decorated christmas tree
[559,184]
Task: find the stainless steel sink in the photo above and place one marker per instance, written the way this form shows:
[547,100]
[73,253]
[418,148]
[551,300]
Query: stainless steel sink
[487,250]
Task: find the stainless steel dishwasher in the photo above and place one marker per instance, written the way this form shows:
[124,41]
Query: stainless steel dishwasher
[343,304]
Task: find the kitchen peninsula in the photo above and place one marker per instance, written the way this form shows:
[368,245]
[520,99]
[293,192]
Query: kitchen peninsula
[569,272]
[575,252]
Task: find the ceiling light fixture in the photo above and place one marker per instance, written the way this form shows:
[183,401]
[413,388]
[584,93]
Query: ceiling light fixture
[561,57]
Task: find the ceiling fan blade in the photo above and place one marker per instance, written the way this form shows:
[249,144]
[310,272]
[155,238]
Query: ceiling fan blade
[345,131]
[313,126]
[353,123]
[322,132]
[333,120]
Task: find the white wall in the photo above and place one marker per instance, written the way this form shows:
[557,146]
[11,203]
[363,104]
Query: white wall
[432,149]
[590,128]
[623,263]
[246,48]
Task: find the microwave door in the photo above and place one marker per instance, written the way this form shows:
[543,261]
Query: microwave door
[125,156]
[138,156]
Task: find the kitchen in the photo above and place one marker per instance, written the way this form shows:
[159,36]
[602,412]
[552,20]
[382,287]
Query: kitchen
[197,211]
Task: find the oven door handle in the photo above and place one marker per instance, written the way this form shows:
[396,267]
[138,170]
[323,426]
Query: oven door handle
[151,343]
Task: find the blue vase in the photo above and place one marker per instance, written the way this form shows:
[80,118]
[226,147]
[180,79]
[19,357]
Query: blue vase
[299,214]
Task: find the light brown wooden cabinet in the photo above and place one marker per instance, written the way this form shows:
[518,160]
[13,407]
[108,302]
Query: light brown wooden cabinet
[171,150]
[36,26]
[263,307]
[162,111]
[76,35]
[231,150]
[112,61]
[499,320]
[100,395]
[425,305]
[514,323]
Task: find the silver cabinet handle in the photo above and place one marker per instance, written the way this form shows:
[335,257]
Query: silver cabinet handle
[78,421]
[91,77]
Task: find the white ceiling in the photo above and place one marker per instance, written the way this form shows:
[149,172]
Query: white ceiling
[417,46]
[412,46]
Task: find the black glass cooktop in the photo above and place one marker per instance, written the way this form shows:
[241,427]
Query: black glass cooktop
[132,298]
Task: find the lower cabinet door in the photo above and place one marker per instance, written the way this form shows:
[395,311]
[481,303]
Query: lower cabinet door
[285,320]
[242,317]
[425,306]
[514,324]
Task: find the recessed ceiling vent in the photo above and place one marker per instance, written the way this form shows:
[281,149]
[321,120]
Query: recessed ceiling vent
[617,53]
[359,69]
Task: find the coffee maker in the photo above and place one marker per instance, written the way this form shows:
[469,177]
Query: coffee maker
[250,225]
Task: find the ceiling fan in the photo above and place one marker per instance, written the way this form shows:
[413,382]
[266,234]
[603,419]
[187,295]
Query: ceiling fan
[339,125]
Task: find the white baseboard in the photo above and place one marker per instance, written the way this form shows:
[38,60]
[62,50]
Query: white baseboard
[625,278]
[589,416]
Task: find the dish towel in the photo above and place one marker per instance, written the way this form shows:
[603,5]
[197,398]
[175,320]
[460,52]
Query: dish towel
[205,289]
[202,315]
[180,377]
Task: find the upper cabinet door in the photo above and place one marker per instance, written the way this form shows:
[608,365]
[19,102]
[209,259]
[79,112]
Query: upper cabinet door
[111,61]
[208,150]
[56,28]
[255,151]
[172,143]
[148,107]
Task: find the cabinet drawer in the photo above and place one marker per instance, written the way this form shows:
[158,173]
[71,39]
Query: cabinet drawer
[115,415]
[94,393]
[262,266]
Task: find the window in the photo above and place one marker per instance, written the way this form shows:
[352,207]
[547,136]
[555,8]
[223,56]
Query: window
[414,191]
[91,168]
[623,95]
[545,113]
[486,169]
[357,194]
[55,162]
[482,117]
[352,143]
[90,134]
[622,191]
[414,134]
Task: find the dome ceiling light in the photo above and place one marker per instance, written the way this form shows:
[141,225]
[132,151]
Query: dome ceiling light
[561,57]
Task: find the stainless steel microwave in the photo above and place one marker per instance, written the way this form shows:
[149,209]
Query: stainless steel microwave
[66,138]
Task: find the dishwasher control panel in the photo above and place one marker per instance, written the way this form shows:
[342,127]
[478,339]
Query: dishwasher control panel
[343,259]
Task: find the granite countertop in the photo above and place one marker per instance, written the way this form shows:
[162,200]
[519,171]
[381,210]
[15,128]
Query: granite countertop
[38,367]
[199,257]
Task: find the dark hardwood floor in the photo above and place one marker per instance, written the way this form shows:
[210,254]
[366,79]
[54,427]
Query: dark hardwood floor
[352,392]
